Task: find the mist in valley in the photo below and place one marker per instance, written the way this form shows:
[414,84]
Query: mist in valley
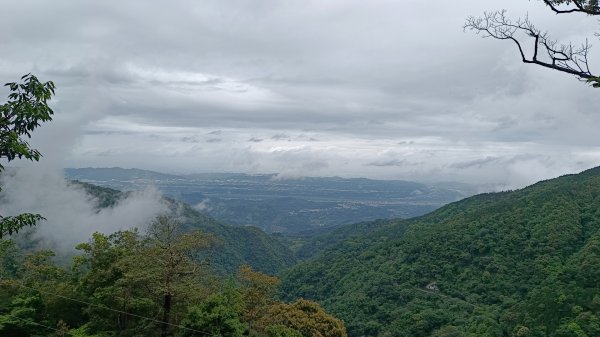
[72,215]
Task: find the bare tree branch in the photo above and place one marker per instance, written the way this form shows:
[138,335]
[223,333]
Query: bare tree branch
[561,57]
[589,7]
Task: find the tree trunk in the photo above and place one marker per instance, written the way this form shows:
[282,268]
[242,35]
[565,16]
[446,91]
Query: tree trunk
[166,316]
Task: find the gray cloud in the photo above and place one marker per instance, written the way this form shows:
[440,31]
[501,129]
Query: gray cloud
[188,139]
[393,162]
[255,140]
[478,163]
[382,88]
[280,136]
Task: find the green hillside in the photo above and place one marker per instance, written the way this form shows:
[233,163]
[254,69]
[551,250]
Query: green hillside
[309,244]
[104,197]
[156,283]
[235,245]
[239,245]
[520,263]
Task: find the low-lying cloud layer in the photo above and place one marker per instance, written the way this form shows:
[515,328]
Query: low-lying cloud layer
[71,214]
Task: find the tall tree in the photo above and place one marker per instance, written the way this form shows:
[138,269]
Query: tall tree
[258,293]
[168,265]
[536,46]
[157,276]
[100,274]
[26,108]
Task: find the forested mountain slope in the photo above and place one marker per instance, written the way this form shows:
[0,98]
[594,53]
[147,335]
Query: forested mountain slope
[154,281]
[519,263]
[236,245]
[308,244]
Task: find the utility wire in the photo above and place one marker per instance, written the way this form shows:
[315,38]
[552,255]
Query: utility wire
[115,310]
[39,324]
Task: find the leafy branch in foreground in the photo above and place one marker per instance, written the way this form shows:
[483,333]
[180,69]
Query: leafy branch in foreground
[26,108]
[10,224]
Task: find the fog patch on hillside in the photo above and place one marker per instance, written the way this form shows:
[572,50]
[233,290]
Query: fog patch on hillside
[203,206]
[72,215]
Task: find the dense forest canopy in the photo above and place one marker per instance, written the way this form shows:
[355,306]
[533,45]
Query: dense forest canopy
[152,284]
[520,263]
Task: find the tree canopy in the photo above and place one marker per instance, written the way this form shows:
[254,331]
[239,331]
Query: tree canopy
[538,47]
[519,263]
[26,108]
[154,284]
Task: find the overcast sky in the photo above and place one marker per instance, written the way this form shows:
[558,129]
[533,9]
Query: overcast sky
[380,89]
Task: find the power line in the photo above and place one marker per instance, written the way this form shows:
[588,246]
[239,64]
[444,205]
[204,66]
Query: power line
[115,310]
[38,324]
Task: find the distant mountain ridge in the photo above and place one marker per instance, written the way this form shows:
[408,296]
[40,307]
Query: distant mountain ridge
[115,173]
[288,206]
[518,263]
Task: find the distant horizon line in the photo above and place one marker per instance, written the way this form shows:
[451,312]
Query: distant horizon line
[271,174]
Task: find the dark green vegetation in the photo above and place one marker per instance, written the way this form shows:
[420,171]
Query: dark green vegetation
[309,244]
[155,284]
[103,196]
[26,108]
[288,205]
[520,263]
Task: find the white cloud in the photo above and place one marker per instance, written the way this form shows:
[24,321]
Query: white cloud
[72,214]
